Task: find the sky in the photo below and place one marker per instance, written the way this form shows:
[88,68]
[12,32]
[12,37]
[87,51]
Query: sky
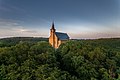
[80,19]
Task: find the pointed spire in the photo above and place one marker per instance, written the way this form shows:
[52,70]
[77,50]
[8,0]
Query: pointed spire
[53,26]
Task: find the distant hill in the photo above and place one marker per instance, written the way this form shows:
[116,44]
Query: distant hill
[14,40]
[7,42]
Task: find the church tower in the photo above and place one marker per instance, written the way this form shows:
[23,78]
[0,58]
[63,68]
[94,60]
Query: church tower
[52,30]
[57,38]
[52,35]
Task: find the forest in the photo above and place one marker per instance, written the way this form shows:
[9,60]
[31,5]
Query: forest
[35,59]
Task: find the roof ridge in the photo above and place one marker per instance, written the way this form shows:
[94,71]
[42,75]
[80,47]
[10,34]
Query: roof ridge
[61,32]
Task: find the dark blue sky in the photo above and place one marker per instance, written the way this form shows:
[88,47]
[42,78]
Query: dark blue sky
[79,18]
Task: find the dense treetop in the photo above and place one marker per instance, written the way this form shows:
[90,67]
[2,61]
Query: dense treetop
[4,42]
[73,60]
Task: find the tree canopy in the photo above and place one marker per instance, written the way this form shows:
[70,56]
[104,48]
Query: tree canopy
[73,60]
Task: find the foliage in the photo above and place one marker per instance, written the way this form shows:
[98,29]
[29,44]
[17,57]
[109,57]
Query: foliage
[7,42]
[73,60]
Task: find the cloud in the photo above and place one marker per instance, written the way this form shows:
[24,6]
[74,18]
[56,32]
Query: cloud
[12,28]
[4,9]
[24,30]
[91,30]
[8,25]
[94,35]
[10,8]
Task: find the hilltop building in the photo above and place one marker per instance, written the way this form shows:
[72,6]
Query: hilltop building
[57,38]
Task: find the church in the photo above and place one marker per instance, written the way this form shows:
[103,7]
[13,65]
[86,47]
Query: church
[57,38]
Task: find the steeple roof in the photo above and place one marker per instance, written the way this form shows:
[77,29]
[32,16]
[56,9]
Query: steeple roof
[53,26]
